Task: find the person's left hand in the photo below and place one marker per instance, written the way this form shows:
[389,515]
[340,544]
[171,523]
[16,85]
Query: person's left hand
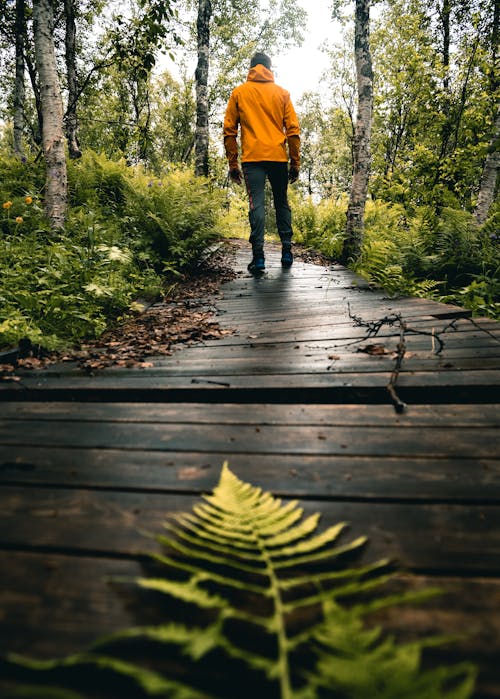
[235,175]
[293,174]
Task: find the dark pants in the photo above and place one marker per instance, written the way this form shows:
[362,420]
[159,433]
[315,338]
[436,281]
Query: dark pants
[255,179]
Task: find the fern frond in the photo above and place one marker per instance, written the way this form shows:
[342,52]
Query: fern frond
[207,556]
[322,555]
[154,684]
[251,572]
[336,575]
[390,671]
[214,576]
[194,641]
[187,592]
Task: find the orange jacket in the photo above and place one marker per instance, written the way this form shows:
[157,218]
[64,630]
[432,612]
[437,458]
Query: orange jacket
[267,119]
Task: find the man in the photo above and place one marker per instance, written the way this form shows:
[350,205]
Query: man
[269,138]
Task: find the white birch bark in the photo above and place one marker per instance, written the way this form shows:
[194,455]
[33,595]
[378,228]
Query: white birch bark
[202,126]
[489,177]
[71,114]
[52,113]
[362,134]
[19,88]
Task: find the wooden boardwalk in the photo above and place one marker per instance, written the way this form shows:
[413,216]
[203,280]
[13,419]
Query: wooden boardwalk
[296,399]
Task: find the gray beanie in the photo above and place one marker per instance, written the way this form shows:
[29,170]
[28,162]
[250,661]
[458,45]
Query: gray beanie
[261,58]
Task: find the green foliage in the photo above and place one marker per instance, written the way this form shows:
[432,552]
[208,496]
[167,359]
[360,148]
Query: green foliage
[393,252]
[320,226]
[19,178]
[60,288]
[266,606]
[433,122]
[233,222]
[423,252]
[124,231]
[176,216]
[413,250]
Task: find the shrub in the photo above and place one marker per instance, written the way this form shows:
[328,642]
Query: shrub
[176,216]
[320,226]
[123,231]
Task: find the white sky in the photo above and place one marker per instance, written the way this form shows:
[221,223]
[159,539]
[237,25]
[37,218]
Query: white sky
[299,70]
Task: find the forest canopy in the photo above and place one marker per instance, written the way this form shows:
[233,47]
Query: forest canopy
[88,111]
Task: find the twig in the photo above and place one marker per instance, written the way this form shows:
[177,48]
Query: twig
[399,405]
[215,383]
[476,325]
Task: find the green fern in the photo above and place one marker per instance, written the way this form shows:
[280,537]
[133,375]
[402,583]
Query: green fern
[258,603]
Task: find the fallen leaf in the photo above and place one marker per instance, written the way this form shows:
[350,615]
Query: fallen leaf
[375,349]
[189,473]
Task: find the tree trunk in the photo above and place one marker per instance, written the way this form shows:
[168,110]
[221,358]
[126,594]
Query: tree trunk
[20,29]
[36,131]
[52,110]
[71,113]
[445,14]
[489,177]
[446,130]
[491,168]
[201,136]
[362,134]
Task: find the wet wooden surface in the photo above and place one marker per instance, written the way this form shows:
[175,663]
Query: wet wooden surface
[296,400]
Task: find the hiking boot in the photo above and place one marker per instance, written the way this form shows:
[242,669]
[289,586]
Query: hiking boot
[257,266]
[286,257]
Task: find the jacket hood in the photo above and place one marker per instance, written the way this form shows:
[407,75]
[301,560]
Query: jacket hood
[260,74]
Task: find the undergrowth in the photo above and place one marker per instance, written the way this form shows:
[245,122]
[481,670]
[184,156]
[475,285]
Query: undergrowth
[442,255]
[126,235]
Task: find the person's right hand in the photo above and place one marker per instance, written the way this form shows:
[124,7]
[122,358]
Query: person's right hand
[235,175]
[293,174]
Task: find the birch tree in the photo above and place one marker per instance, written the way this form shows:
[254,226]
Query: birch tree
[201,75]
[19,87]
[489,177]
[362,134]
[491,167]
[52,114]
[71,74]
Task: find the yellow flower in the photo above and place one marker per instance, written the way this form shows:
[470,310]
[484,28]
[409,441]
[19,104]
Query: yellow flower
[7,204]
[19,219]
[28,200]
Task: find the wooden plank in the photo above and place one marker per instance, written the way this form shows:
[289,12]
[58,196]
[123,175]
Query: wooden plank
[382,478]
[441,538]
[272,363]
[263,414]
[297,363]
[305,357]
[437,442]
[286,298]
[336,332]
[53,605]
[369,312]
[418,347]
[285,351]
[484,380]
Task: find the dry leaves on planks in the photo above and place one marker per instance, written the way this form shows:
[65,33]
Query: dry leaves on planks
[182,318]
